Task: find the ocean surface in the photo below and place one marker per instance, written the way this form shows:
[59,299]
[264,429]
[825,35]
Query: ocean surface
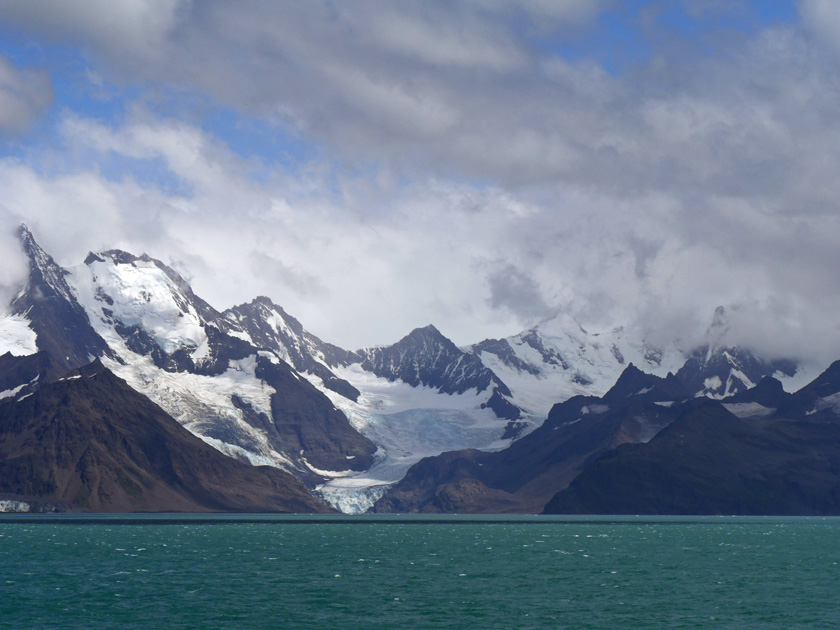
[408,572]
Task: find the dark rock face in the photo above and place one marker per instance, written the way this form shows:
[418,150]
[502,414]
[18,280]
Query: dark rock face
[769,392]
[26,373]
[307,426]
[711,462]
[61,323]
[523,477]
[637,385]
[503,408]
[270,327]
[426,357]
[450,482]
[90,442]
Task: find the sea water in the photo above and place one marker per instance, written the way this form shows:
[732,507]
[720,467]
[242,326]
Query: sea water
[408,572]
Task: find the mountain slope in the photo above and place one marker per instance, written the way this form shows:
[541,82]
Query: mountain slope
[559,359]
[710,462]
[90,442]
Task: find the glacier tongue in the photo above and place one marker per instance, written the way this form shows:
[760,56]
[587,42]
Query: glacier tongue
[407,424]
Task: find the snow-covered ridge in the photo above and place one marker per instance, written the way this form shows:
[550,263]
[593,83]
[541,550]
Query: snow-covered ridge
[203,404]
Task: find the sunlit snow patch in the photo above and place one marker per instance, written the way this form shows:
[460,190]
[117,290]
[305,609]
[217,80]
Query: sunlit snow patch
[141,294]
[748,410]
[16,336]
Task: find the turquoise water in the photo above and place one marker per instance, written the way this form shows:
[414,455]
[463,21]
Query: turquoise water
[413,572]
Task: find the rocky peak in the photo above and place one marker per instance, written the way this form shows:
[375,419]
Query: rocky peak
[50,305]
[426,357]
[270,327]
[46,277]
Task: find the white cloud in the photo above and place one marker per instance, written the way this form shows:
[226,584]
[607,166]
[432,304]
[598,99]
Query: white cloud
[132,27]
[823,16]
[24,95]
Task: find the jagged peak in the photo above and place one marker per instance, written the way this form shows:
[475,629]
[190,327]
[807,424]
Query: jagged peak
[264,300]
[92,258]
[120,257]
[42,267]
[30,246]
[718,329]
[427,330]
[24,233]
[428,334]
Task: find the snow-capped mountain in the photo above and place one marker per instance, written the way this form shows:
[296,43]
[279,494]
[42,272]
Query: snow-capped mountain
[251,381]
[46,309]
[426,358]
[523,477]
[419,397]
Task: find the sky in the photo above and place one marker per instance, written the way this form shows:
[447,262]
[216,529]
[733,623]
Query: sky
[480,165]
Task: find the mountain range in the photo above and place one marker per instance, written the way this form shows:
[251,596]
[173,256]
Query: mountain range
[122,390]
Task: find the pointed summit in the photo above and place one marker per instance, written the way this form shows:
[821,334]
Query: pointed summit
[47,302]
[717,330]
[42,267]
[24,234]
